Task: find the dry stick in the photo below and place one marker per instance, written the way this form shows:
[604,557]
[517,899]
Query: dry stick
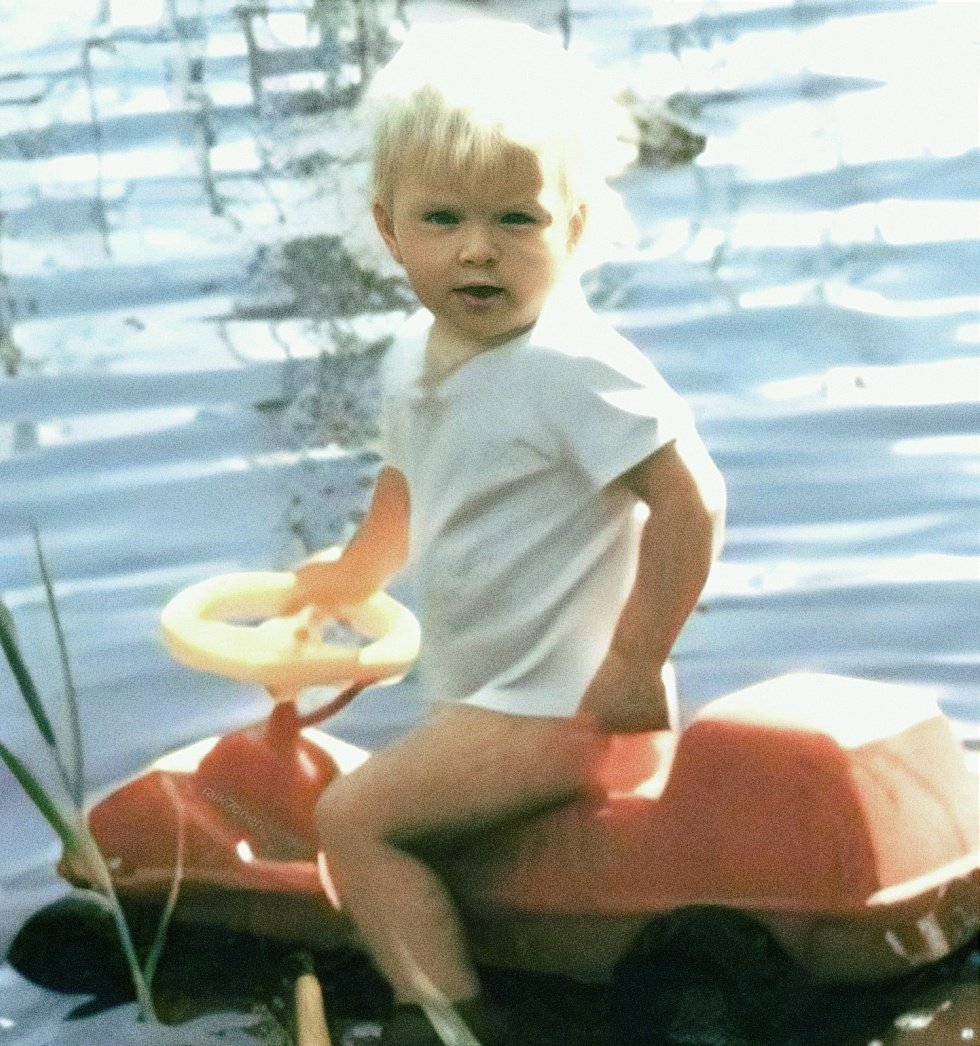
[245,13]
[101,219]
[677,40]
[10,354]
[311,1022]
[206,137]
[370,35]
[233,351]
[364,35]
[197,98]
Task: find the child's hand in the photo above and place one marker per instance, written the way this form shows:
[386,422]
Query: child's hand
[626,698]
[322,580]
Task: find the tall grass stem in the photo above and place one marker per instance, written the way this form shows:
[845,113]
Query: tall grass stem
[8,640]
[67,816]
[160,937]
[73,769]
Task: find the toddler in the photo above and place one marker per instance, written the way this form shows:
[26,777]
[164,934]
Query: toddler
[546,486]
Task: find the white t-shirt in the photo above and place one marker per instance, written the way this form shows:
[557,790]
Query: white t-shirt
[522,552]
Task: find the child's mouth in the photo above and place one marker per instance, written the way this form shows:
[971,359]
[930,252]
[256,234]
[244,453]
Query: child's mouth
[480,291]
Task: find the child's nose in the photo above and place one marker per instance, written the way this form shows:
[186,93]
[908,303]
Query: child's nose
[478,246]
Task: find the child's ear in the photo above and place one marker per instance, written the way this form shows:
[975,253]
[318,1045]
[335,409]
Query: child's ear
[576,226]
[386,227]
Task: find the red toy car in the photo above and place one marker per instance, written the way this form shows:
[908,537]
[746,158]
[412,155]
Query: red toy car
[837,812]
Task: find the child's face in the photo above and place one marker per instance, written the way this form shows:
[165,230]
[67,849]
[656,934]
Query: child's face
[482,254]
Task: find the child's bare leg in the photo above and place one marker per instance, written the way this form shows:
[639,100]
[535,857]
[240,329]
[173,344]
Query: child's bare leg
[462,767]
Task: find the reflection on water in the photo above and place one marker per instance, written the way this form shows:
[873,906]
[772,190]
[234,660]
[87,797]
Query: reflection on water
[810,285]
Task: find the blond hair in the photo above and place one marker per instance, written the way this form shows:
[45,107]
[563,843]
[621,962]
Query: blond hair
[457,99]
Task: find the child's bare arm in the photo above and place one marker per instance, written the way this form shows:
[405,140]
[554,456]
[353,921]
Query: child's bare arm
[627,693]
[376,552]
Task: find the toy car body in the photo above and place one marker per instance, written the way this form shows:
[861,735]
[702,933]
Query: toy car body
[838,812]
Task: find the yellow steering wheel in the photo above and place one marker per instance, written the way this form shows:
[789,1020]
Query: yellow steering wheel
[210,626]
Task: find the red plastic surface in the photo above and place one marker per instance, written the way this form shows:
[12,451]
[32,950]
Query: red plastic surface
[842,805]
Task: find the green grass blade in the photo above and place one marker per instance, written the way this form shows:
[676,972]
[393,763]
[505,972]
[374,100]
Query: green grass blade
[72,766]
[7,622]
[62,823]
[100,878]
[94,897]
[160,937]
[8,641]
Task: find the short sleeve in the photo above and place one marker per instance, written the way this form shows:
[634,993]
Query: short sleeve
[607,414]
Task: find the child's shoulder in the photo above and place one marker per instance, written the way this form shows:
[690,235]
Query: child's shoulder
[574,338]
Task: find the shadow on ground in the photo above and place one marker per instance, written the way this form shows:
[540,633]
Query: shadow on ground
[698,978]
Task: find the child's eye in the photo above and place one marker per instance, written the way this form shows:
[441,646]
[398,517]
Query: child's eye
[441,217]
[518,218]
